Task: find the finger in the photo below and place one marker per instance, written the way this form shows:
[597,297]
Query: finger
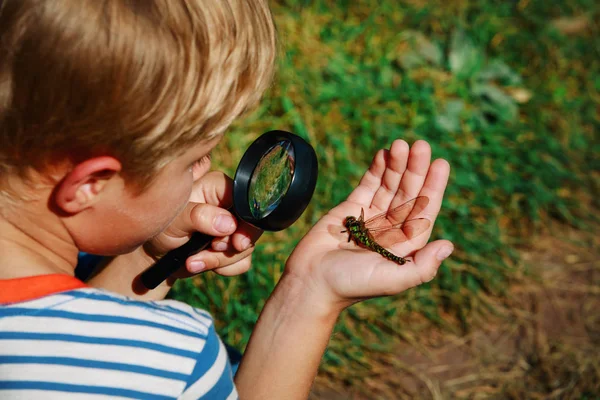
[221,243]
[207,260]
[423,267]
[244,237]
[428,260]
[396,163]
[434,188]
[214,188]
[414,176]
[371,180]
[237,268]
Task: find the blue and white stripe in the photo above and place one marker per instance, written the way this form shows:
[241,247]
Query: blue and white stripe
[88,343]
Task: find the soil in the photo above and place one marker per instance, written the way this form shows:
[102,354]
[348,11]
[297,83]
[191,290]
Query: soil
[542,343]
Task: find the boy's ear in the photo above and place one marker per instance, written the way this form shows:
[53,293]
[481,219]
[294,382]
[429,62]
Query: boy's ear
[81,186]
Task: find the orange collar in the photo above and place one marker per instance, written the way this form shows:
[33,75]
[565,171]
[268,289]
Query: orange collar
[33,287]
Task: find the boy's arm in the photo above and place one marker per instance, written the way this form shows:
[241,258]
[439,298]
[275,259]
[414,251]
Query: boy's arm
[287,344]
[325,274]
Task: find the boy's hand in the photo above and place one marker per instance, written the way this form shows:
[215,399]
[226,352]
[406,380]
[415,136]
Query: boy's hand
[337,273]
[210,196]
[325,274]
[230,251]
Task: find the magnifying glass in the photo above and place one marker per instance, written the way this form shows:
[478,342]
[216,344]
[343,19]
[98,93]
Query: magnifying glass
[273,184]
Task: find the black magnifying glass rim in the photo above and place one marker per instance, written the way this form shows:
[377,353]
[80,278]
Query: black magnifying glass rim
[301,188]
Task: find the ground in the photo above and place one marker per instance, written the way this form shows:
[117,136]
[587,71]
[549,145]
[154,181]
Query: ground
[541,342]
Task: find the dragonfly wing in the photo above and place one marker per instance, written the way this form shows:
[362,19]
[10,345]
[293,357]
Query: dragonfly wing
[399,214]
[389,236]
[415,227]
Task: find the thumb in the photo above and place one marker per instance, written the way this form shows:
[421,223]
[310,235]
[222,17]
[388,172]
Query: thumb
[205,218]
[428,259]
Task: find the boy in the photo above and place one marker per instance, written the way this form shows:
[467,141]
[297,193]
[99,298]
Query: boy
[108,113]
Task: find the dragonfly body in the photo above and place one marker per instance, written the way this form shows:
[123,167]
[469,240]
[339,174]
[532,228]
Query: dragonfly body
[388,228]
[357,232]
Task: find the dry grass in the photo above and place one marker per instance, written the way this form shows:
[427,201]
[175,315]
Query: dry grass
[541,344]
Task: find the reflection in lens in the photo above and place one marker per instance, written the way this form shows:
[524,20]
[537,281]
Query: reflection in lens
[271,179]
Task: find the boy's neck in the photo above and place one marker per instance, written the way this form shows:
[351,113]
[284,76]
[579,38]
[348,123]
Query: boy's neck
[33,242]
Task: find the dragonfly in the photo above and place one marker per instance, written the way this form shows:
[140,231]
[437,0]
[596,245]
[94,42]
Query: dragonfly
[388,228]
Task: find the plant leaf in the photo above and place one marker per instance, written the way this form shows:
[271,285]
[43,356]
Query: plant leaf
[449,120]
[421,51]
[499,71]
[465,59]
[496,102]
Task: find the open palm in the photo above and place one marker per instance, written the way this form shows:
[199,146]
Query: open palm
[346,272]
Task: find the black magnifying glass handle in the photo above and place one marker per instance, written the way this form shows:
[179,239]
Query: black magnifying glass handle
[174,259]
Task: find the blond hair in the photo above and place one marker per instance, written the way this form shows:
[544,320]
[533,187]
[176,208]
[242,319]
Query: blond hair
[140,80]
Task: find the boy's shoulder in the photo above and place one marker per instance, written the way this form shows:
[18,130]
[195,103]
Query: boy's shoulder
[164,347]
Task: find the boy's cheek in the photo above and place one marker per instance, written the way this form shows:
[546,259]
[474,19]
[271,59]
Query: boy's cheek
[133,226]
[128,222]
[170,213]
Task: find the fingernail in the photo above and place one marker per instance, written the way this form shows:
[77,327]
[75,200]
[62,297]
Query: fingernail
[197,266]
[220,246]
[245,243]
[444,253]
[224,223]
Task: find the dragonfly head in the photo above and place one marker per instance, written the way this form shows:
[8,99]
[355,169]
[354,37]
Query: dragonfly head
[350,220]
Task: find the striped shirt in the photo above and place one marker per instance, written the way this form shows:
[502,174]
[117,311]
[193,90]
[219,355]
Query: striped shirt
[60,339]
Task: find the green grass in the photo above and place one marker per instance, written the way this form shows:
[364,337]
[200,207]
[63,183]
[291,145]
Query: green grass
[512,103]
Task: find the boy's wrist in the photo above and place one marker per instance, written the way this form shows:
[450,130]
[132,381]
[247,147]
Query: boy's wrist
[298,298]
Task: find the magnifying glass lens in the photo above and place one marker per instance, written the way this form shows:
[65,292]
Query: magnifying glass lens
[271,179]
